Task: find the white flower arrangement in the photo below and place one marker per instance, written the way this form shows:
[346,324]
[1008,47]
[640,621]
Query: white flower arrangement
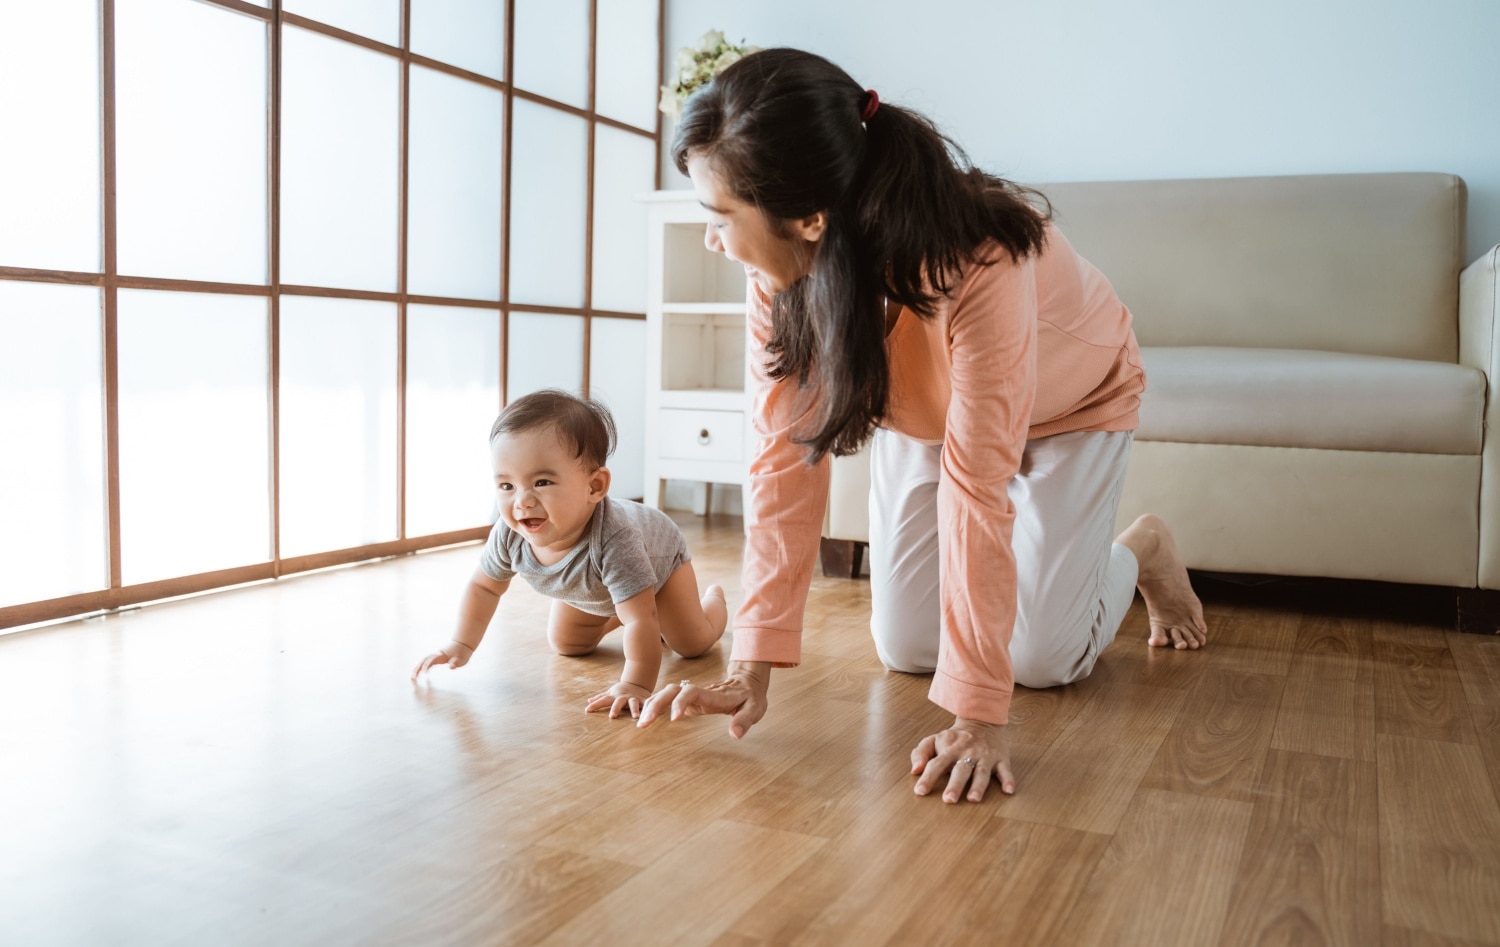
[696,65]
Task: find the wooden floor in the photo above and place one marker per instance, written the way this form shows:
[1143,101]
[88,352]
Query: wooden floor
[253,767]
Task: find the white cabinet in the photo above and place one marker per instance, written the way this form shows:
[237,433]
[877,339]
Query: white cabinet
[697,405]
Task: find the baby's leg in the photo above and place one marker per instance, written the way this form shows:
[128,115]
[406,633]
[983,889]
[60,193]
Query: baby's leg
[573,632]
[690,625]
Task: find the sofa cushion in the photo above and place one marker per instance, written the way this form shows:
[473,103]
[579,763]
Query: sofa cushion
[1361,263]
[1297,398]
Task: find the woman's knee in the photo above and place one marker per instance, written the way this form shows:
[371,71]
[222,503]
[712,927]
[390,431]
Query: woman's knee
[899,650]
[1034,669]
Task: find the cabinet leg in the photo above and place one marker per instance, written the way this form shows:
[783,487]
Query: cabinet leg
[708,498]
[1479,611]
[841,558]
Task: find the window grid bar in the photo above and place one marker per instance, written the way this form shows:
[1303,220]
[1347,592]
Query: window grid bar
[661,74]
[111,292]
[273,233]
[121,596]
[239,6]
[404,162]
[588,201]
[507,123]
[74,278]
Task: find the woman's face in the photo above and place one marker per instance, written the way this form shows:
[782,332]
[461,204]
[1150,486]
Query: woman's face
[773,260]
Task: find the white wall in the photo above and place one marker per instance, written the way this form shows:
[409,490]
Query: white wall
[1103,89]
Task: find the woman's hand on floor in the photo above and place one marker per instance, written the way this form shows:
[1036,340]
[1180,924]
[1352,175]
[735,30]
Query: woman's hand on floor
[742,695]
[972,753]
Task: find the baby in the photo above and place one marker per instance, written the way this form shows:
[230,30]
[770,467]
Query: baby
[605,563]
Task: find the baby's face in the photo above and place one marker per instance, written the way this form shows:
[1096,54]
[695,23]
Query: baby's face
[545,493]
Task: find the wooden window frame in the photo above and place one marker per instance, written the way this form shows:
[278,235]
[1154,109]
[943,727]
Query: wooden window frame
[110,281]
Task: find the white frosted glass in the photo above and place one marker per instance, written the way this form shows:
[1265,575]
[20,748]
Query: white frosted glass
[617,377]
[190,90]
[548,206]
[195,491]
[543,351]
[49,97]
[379,20]
[469,34]
[626,84]
[453,243]
[452,397]
[552,49]
[340,163]
[624,169]
[337,424]
[53,534]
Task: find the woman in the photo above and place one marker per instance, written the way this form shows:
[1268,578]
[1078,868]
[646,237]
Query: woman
[900,294]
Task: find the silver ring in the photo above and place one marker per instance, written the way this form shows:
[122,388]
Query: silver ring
[683,683]
[970,760]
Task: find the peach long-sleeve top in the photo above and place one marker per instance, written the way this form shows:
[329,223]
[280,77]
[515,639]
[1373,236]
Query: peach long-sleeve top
[1018,350]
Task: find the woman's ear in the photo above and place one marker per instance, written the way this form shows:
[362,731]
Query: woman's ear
[599,484]
[810,228]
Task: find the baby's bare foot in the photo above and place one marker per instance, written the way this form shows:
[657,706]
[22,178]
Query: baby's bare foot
[715,609]
[1175,614]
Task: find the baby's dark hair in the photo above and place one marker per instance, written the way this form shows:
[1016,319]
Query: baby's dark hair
[582,423]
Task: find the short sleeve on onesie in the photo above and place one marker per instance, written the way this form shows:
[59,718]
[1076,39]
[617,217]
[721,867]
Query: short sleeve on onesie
[626,549]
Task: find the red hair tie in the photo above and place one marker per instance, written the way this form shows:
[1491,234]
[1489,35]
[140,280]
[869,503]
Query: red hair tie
[872,105]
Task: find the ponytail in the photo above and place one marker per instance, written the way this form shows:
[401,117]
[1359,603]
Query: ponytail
[792,134]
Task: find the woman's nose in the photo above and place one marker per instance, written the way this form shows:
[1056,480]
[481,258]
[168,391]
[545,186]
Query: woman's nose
[711,240]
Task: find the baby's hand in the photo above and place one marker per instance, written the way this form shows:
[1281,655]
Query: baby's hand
[455,654]
[622,696]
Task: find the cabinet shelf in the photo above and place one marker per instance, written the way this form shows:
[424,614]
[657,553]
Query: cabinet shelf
[697,402]
[703,350]
[708,399]
[692,272]
[705,309]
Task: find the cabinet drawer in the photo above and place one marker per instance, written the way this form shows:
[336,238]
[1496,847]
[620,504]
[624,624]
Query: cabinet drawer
[702,435]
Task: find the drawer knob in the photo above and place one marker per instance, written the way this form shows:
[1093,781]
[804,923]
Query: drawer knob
[704,437]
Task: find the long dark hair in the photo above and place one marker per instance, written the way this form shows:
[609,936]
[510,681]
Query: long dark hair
[782,129]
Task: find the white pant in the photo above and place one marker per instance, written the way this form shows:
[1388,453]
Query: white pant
[1073,583]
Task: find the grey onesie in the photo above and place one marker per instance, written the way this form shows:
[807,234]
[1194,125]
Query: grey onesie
[626,548]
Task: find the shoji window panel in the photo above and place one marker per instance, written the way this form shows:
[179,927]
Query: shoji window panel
[453,219]
[452,397]
[195,431]
[337,424]
[49,97]
[190,91]
[340,163]
[53,531]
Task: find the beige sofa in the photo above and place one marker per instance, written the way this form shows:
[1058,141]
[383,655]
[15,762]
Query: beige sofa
[1317,358]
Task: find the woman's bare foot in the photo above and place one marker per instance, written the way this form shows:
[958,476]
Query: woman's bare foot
[1173,608]
[715,609]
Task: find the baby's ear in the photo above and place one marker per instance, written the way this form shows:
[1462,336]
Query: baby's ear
[599,484]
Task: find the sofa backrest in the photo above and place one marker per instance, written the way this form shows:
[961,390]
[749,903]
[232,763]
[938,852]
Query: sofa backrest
[1360,263]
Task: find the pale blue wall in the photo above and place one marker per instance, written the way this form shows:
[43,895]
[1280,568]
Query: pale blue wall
[1111,89]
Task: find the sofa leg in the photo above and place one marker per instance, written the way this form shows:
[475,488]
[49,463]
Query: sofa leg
[1479,611]
[841,558]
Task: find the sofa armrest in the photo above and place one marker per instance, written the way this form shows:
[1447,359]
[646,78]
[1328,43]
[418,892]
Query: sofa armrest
[1479,347]
[848,515]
